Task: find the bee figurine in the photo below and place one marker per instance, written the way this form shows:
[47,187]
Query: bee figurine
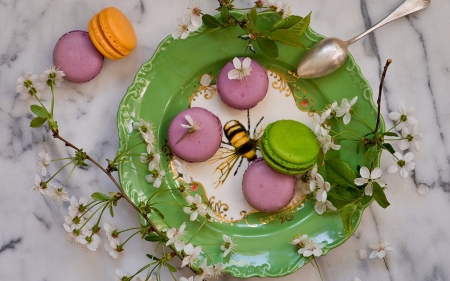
[240,145]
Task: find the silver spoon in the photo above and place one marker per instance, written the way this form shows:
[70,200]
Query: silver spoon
[329,54]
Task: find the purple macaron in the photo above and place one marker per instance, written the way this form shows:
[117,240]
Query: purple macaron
[200,145]
[266,189]
[243,94]
[75,54]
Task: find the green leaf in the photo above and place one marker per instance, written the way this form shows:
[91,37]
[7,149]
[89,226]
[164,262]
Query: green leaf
[379,196]
[300,28]
[252,17]
[340,172]
[37,122]
[153,237]
[347,215]
[152,257]
[268,47]
[111,211]
[389,148]
[359,147]
[98,196]
[391,134]
[286,23]
[210,21]
[286,36]
[344,193]
[371,154]
[224,14]
[171,267]
[158,212]
[39,111]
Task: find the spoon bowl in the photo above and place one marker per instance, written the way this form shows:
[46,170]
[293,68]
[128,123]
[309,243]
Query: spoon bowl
[329,54]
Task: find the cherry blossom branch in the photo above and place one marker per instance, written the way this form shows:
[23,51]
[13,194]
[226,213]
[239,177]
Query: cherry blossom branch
[122,193]
[388,62]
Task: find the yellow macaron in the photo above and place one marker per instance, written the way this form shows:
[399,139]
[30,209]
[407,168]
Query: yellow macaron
[112,33]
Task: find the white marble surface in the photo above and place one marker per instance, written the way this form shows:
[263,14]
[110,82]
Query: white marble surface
[33,243]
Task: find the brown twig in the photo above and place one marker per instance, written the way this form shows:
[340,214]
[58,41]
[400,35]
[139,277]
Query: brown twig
[123,194]
[388,62]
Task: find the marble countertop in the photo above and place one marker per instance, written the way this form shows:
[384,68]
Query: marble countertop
[33,243]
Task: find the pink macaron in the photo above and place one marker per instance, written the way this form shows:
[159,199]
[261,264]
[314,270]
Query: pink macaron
[245,93]
[75,54]
[200,145]
[266,189]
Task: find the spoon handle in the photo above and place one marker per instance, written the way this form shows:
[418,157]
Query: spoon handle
[406,8]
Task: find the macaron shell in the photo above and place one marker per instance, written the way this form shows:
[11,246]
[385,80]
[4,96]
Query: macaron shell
[266,189]
[290,147]
[118,30]
[75,54]
[246,93]
[99,40]
[200,145]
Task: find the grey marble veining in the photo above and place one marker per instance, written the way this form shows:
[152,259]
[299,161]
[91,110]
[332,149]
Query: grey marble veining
[33,243]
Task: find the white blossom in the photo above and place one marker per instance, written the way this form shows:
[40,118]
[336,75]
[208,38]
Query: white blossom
[195,207]
[57,194]
[54,74]
[380,249]
[206,271]
[195,14]
[175,236]
[39,185]
[229,246]
[155,179]
[240,70]
[192,125]
[120,275]
[322,207]
[326,141]
[319,122]
[112,234]
[191,254]
[403,164]
[205,80]
[368,178]
[77,208]
[323,188]
[311,248]
[183,27]
[404,117]
[345,108]
[27,84]
[113,252]
[411,138]
[299,241]
[180,168]
[218,270]
[44,161]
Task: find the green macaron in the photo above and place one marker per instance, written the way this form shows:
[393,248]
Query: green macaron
[289,147]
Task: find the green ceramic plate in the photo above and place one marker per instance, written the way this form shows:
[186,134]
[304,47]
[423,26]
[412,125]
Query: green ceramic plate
[163,87]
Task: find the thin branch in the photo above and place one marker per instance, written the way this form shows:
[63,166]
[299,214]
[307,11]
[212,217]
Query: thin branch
[122,193]
[388,62]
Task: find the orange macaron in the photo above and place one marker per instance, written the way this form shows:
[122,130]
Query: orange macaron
[112,33]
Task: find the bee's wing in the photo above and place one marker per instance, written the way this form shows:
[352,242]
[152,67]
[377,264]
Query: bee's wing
[229,158]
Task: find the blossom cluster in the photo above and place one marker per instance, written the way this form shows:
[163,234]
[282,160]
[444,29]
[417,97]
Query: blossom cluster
[407,124]
[317,185]
[29,85]
[192,253]
[152,157]
[283,8]
[307,247]
[46,187]
[189,22]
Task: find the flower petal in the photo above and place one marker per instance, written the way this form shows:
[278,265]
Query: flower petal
[376,173]
[233,74]
[237,63]
[246,63]
[364,172]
